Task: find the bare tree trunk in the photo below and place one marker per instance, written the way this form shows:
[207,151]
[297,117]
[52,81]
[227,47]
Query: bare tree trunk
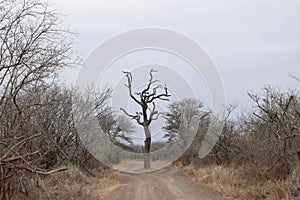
[149,113]
[147,163]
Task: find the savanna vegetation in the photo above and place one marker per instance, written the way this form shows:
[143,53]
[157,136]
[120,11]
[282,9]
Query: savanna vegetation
[41,153]
[258,153]
[38,138]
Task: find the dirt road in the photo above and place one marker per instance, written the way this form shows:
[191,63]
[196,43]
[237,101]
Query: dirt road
[164,184]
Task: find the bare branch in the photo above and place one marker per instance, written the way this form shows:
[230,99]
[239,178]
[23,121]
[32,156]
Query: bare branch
[294,77]
[150,81]
[137,117]
[129,86]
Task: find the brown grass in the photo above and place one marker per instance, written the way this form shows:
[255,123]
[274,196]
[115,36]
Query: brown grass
[72,184]
[236,183]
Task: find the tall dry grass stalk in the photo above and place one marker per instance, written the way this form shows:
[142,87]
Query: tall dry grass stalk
[237,183]
[71,184]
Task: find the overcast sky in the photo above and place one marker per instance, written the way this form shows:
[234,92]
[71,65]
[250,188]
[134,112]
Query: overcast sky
[252,43]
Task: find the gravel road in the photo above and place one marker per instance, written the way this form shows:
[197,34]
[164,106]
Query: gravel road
[165,184]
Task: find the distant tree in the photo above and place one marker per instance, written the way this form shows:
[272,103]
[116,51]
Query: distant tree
[182,115]
[226,148]
[122,130]
[146,100]
[117,127]
[92,114]
[184,111]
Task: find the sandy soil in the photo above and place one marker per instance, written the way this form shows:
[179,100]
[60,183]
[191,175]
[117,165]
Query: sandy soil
[164,184]
[137,166]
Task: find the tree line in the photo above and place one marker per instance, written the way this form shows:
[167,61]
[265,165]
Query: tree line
[37,130]
[267,137]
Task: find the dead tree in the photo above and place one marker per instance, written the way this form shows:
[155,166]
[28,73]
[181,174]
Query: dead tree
[146,99]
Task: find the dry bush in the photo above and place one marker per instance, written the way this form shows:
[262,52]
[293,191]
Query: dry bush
[71,184]
[236,183]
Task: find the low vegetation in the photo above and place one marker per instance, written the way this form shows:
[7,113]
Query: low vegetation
[71,184]
[257,155]
[246,183]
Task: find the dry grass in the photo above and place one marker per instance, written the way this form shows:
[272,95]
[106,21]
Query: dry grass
[72,184]
[235,183]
